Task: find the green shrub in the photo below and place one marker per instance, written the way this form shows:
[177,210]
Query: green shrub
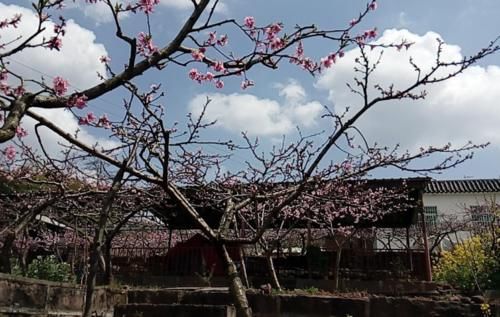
[49,268]
[312,290]
[469,266]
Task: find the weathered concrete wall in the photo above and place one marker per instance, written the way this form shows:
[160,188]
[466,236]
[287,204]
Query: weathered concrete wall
[178,310]
[24,296]
[310,306]
[165,281]
[413,307]
[29,297]
[385,287]
[319,306]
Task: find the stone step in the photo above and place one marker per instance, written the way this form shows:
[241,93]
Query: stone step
[24,312]
[184,310]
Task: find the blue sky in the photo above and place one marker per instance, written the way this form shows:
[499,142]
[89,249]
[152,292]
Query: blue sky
[465,109]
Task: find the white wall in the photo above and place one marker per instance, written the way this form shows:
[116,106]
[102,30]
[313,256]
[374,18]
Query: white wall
[450,204]
[458,203]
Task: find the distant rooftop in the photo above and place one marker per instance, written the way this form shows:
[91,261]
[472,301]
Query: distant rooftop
[463,186]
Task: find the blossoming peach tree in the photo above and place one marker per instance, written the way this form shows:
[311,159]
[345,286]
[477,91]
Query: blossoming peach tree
[277,183]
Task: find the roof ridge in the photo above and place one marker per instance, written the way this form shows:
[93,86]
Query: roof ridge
[479,185]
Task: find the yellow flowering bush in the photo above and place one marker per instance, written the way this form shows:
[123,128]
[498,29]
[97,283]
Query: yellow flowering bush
[468,266]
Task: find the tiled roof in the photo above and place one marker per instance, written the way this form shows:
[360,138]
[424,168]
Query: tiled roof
[463,186]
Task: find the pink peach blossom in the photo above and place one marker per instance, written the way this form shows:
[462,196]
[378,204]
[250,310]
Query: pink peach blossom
[249,22]
[10,152]
[60,85]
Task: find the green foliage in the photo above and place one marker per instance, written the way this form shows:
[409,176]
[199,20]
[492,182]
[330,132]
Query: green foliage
[47,268]
[16,186]
[15,267]
[470,265]
[312,290]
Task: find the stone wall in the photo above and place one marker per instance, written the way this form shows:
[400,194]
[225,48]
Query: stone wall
[30,297]
[383,287]
[162,310]
[319,306]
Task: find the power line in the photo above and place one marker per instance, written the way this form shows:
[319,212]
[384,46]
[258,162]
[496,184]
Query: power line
[71,85]
[241,160]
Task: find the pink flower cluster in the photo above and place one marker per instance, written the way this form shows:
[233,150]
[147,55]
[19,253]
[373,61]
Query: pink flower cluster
[91,118]
[79,101]
[55,42]
[104,59]
[247,83]
[300,59]
[212,39]
[372,6]
[199,54]
[88,119]
[219,66]
[3,74]
[147,5]
[145,45]
[3,81]
[60,86]
[249,22]
[273,30]
[104,122]
[6,89]
[219,84]
[371,34]
[194,74]
[277,43]
[21,132]
[367,35]
[328,61]
[14,21]
[10,152]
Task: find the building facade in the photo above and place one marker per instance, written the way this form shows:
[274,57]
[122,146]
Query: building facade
[457,209]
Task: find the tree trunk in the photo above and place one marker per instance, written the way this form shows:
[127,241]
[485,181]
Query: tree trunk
[96,253]
[244,268]
[108,271]
[308,246]
[23,262]
[336,275]
[91,277]
[6,253]
[272,272]
[236,287]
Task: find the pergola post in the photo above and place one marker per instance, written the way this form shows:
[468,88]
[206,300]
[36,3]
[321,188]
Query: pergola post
[408,250]
[427,255]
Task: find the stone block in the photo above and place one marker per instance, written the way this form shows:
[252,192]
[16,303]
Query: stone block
[178,310]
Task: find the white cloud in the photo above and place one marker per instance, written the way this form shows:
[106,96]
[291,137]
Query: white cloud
[458,110]
[187,4]
[293,91]
[99,11]
[67,122]
[259,116]
[77,61]
[79,49]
